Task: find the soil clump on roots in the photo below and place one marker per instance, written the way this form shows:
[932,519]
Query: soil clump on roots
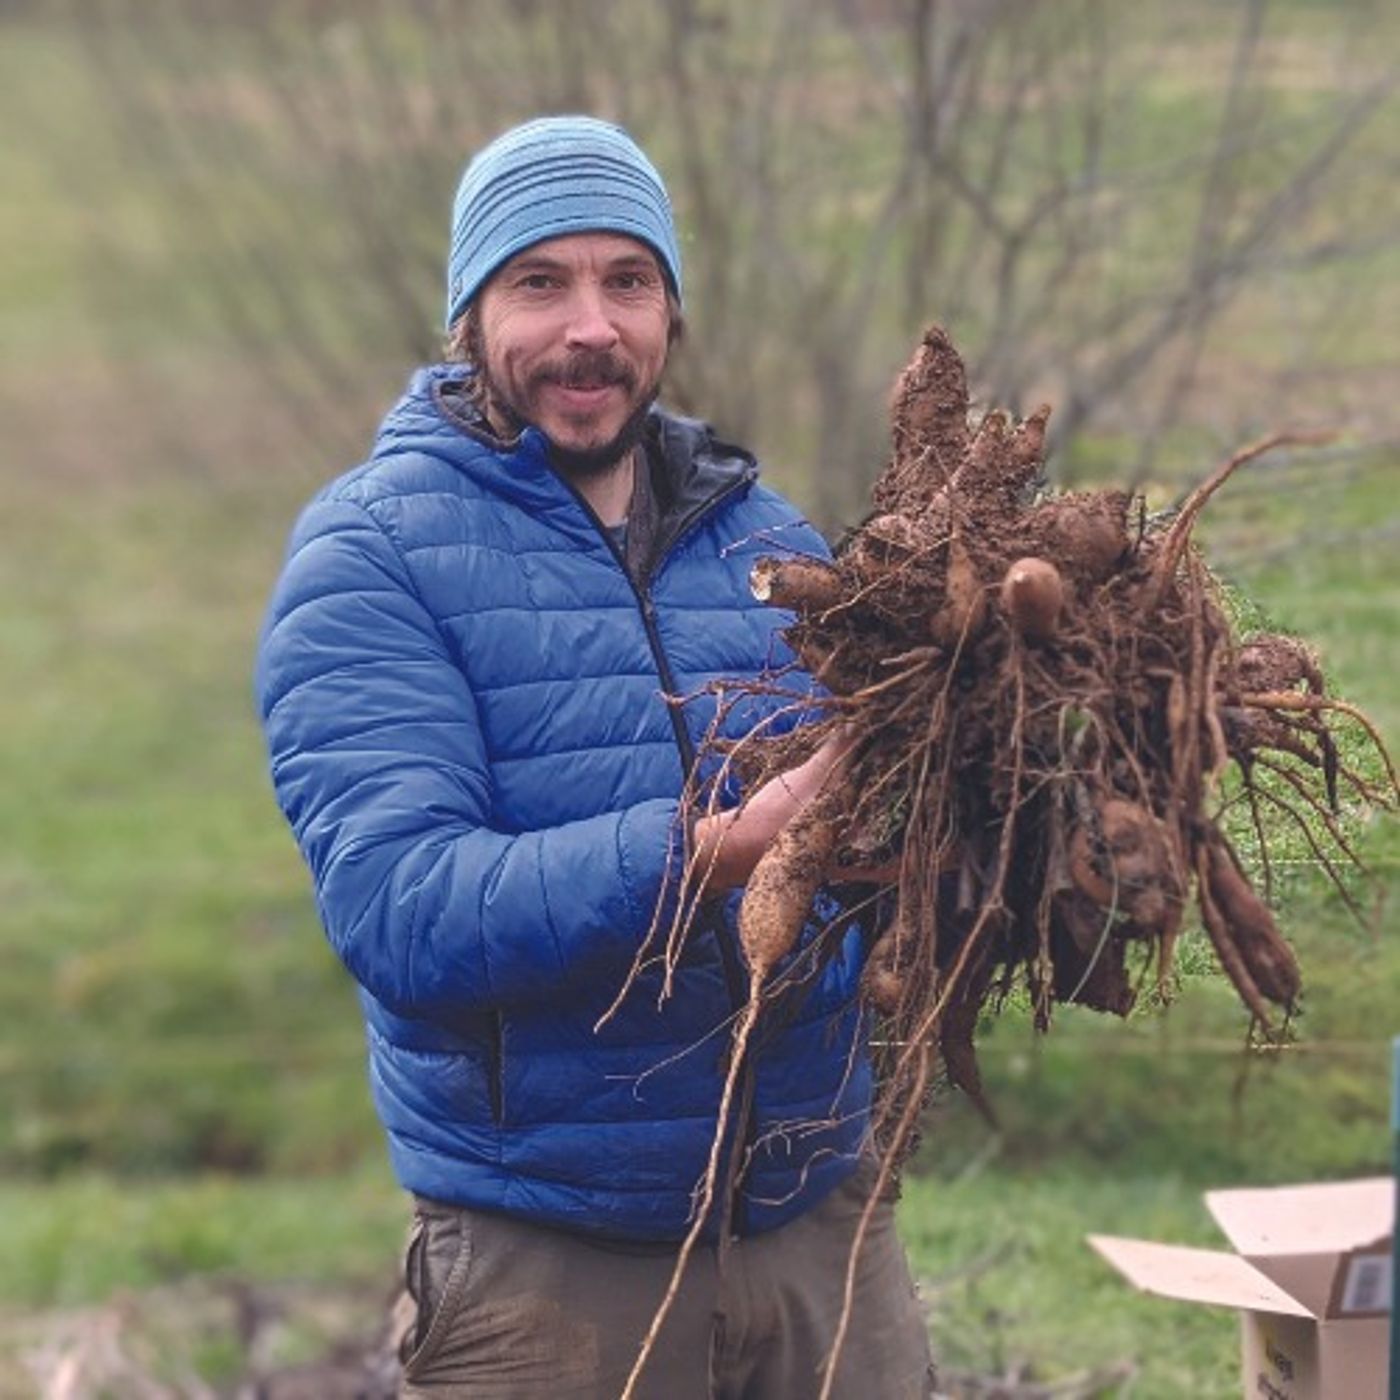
[1043,692]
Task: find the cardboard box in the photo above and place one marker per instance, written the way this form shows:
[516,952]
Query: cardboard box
[1311,1277]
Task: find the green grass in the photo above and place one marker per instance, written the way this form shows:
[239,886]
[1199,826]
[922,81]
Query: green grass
[79,1241]
[166,956]
[1004,1267]
[1011,1280]
[1001,1257]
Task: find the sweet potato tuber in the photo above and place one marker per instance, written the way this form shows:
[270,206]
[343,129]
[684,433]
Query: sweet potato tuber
[964,600]
[804,585]
[928,416]
[881,983]
[1086,534]
[1277,663]
[779,893]
[1125,865]
[1032,597]
[1268,959]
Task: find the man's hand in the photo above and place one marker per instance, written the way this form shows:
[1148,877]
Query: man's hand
[727,845]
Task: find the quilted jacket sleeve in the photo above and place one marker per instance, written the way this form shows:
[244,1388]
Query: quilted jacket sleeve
[378,763]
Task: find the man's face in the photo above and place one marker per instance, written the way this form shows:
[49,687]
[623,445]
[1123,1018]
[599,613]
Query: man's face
[574,334]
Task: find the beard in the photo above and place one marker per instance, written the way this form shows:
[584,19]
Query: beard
[581,369]
[579,463]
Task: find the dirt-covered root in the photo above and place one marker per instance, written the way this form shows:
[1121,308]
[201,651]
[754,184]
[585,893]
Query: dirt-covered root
[1121,859]
[1260,962]
[779,893]
[1004,457]
[1088,957]
[1177,539]
[886,975]
[928,415]
[1086,532]
[959,616]
[774,908]
[957,1029]
[1048,689]
[1275,663]
[804,585]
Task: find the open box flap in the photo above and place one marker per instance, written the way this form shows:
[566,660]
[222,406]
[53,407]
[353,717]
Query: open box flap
[1310,1278]
[1196,1275]
[1321,1218]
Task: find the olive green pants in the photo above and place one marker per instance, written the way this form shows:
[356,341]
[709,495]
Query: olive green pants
[502,1309]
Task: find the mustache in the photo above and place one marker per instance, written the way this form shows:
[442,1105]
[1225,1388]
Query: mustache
[586,369]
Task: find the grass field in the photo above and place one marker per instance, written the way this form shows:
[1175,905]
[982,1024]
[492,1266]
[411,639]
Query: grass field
[1005,1273]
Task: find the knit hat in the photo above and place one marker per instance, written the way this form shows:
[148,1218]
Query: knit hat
[550,177]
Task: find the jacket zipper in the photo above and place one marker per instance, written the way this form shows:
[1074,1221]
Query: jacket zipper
[736,981]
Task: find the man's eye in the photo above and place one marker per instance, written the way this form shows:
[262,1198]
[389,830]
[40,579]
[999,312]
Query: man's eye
[631,281]
[535,282]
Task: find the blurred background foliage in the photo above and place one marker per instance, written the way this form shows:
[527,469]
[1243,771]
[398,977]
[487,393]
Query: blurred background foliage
[223,233]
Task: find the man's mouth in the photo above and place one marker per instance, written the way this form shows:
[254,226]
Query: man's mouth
[588,377]
[585,394]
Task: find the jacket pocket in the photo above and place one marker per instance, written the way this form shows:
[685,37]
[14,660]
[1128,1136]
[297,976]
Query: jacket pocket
[495,1068]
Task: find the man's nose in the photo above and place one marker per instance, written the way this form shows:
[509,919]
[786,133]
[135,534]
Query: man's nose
[590,326]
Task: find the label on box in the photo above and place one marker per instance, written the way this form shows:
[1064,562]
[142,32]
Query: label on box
[1366,1286]
[1280,1358]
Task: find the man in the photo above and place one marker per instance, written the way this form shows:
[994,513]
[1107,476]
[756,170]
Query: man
[471,678]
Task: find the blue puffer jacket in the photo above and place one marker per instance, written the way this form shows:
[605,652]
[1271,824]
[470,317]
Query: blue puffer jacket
[465,703]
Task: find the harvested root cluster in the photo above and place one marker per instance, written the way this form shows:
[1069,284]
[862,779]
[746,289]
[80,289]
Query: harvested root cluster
[1037,696]
[1042,693]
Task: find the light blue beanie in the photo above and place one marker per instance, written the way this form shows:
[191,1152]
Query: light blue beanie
[549,177]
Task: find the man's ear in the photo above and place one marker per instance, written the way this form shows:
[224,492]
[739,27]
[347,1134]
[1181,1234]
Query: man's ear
[675,329]
[457,346]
